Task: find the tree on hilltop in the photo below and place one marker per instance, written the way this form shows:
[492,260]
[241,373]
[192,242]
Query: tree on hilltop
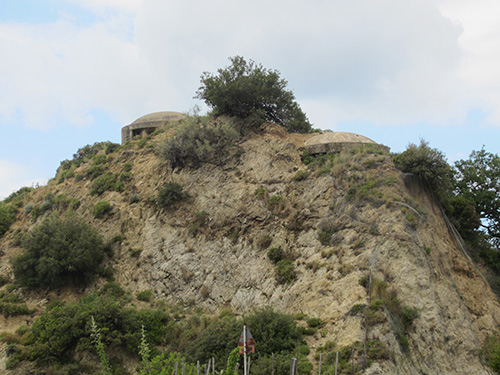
[248,90]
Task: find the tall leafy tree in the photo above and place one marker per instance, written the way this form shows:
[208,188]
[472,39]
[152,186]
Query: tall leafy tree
[248,90]
[478,180]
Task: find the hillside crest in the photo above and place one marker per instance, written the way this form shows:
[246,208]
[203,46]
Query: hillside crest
[352,229]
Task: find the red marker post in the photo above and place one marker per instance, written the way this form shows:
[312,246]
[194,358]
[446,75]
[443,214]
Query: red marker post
[246,344]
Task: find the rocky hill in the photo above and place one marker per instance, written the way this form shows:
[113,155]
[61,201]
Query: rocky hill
[347,239]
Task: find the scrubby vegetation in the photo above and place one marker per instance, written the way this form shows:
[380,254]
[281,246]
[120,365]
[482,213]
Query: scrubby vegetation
[283,265]
[102,209]
[469,192]
[107,181]
[12,304]
[385,306]
[89,152]
[10,206]
[7,217]
[58,250]
[198,140]
[65,328]
[65,250]
[170,194]
[429,165]
[105,321]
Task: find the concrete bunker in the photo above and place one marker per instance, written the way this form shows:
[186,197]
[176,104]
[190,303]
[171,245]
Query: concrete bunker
[334,142]
[149,123]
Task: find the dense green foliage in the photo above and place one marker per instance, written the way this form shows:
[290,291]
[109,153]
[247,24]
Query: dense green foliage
[101,209]
[283,265]
[59,250]
[247,90]
[11,304]
[478,181]
[216,341]
[9,207]
[165,364]
[198,140]
[429,165]
[7,217]
[66,327]
[105,321]
[170,194]
[470,194]
[490,351]
[464,216]
[67,168]
[273,333]
[105,182]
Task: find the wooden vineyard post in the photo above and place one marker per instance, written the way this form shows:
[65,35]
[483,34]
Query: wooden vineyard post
[293,366]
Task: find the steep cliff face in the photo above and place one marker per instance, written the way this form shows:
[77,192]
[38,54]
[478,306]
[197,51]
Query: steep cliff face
[354,231]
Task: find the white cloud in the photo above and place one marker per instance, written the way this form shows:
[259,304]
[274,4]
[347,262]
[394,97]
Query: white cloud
[14,176]
[58,73]
[385,62]
[480,68]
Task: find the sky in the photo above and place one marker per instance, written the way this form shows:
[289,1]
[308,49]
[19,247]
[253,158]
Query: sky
[73,72]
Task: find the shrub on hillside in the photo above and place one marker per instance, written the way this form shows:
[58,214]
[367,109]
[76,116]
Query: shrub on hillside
[7,217]
[170,194]
[283,265]
[273,332]
[216,340]
[104,183]
[17,198]
[66,168]
[199,140]
[247,90]
[57,250]
[429,165]
[102,209]
[65,328]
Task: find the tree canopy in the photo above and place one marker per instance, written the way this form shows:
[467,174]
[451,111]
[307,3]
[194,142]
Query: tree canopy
[248,90]
[478,180]
[59,249]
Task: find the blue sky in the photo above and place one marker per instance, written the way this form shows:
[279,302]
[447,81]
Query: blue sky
[75,71]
